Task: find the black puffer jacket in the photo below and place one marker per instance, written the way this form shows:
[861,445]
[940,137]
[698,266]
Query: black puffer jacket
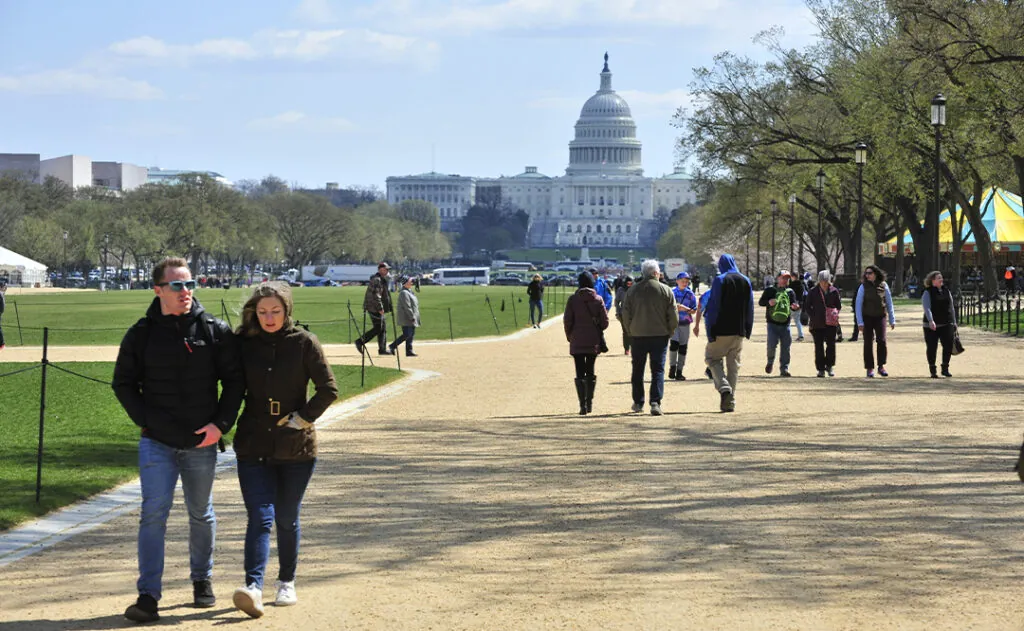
[167,374]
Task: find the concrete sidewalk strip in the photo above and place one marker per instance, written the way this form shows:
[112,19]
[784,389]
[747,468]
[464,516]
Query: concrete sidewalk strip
[88,514]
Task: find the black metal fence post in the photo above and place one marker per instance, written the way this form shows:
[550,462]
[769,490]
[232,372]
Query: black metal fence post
[394,325]
[1018,318]
[17,317]
[515,318]
[451,329]
[42,415]
[224,312]
[350,323]
[493,317]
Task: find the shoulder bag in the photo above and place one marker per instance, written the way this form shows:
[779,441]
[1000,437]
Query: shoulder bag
[831,313]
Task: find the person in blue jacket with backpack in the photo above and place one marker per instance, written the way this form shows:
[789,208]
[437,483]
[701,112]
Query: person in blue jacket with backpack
[602,289]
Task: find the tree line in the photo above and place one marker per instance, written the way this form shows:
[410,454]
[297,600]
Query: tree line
[765,130]
[230,229]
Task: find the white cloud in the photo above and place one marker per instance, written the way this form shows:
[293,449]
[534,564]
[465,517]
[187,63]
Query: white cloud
[294,120]
[315,12]
[294,45]
[53,82]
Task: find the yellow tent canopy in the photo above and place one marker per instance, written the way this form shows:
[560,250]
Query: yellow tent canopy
[1002,214]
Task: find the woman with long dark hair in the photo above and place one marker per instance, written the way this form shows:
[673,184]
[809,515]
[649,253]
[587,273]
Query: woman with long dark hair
[872,307]
[584,320]
[939,321]
[276,440]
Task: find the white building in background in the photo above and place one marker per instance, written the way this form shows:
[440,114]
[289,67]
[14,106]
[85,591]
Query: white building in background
[603,198]
[73,170]
[156,175]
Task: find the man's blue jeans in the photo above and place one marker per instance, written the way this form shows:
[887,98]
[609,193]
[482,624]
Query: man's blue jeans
[655,347]
[159,469]
[273,495]
[779,335]
[539,306]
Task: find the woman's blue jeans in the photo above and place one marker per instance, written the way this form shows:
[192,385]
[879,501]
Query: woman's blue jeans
[539,306]
[273,495]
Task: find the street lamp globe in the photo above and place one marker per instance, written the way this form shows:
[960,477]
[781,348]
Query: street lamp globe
[861,153]
[820,179]
[792,198]
[939,110]
[775,208]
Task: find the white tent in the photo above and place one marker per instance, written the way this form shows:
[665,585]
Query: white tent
[21,271]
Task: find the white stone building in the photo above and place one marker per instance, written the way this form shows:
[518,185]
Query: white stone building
[603,198]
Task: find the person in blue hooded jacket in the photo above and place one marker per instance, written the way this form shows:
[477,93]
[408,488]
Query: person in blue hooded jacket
[729,319]
[602,289]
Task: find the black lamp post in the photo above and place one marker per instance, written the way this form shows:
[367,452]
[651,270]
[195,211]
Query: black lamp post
[106,248]
[820,181]
[792,234]
[860,156]
[938,122]
[775,214]
[758,266]
[65,260]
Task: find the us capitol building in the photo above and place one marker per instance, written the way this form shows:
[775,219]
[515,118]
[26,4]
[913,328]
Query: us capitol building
[603,199]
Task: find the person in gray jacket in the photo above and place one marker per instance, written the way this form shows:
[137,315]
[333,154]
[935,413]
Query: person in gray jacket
[649,315]
[407,315]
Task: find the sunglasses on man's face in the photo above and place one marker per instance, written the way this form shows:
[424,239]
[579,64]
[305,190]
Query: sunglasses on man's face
[178,285]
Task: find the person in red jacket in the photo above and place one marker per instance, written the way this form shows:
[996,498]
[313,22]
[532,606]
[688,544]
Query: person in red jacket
[585,320]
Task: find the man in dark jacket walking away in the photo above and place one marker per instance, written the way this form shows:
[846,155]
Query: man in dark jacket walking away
[649,315]
[535,291]
[168,369]
[376,304]
[730,319]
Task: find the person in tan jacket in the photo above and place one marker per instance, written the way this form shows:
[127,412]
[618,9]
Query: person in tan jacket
[650,316]
[276,441]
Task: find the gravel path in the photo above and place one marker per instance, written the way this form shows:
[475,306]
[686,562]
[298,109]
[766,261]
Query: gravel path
[480,500]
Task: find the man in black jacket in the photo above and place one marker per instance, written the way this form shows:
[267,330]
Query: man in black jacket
[166,377]
[377,304]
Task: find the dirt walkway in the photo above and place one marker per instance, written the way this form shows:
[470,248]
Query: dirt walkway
[481,501]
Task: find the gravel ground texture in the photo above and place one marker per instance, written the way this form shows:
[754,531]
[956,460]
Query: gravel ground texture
[481,500]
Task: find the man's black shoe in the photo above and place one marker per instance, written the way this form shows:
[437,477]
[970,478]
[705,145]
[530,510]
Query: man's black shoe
[385,351]
[202,595]
[359,345]
[144,610]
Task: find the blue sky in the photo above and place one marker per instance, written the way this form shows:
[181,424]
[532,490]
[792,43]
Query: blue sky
[354,90]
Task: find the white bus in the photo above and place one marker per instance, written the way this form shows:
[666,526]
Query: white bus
[462,276]
[513,266]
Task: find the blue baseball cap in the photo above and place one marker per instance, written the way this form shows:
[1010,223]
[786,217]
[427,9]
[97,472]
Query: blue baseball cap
[682,275]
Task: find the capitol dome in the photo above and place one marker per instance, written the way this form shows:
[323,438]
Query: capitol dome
[605,141]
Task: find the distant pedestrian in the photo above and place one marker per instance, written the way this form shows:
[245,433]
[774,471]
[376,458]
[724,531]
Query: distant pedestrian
[276,439]
[649,315]
[823,304]
[780,302]
[686,305]
[800,292]
[702,307]
[535,292]
[939,321]
[1009,277]
[730,320]
[170,367]
[584,319]
[3,305]
[601,288]
[696,281]
[872,308]
[376,304]
[407,315]
[620,296]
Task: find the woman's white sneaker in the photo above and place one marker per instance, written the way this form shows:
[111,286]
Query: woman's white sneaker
[285,594]
[250,600]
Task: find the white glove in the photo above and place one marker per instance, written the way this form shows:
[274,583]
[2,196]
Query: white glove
[294,421]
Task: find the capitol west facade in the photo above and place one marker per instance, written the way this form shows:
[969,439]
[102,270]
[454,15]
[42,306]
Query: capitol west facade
[602,200]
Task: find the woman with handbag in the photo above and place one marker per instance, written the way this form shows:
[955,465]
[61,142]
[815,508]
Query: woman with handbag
[939,321]
[585,320]
[822,306]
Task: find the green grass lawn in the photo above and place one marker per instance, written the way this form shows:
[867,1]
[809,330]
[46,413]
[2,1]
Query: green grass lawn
[95,318]
[89,441]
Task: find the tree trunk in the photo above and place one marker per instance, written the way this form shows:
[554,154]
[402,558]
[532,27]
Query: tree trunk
[918,234]
[982,239]
[897,282]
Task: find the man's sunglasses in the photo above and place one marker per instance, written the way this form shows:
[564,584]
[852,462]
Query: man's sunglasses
[178,285]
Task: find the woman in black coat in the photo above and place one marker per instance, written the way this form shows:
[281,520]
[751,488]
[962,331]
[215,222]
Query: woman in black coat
[585,319]
[939,321]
